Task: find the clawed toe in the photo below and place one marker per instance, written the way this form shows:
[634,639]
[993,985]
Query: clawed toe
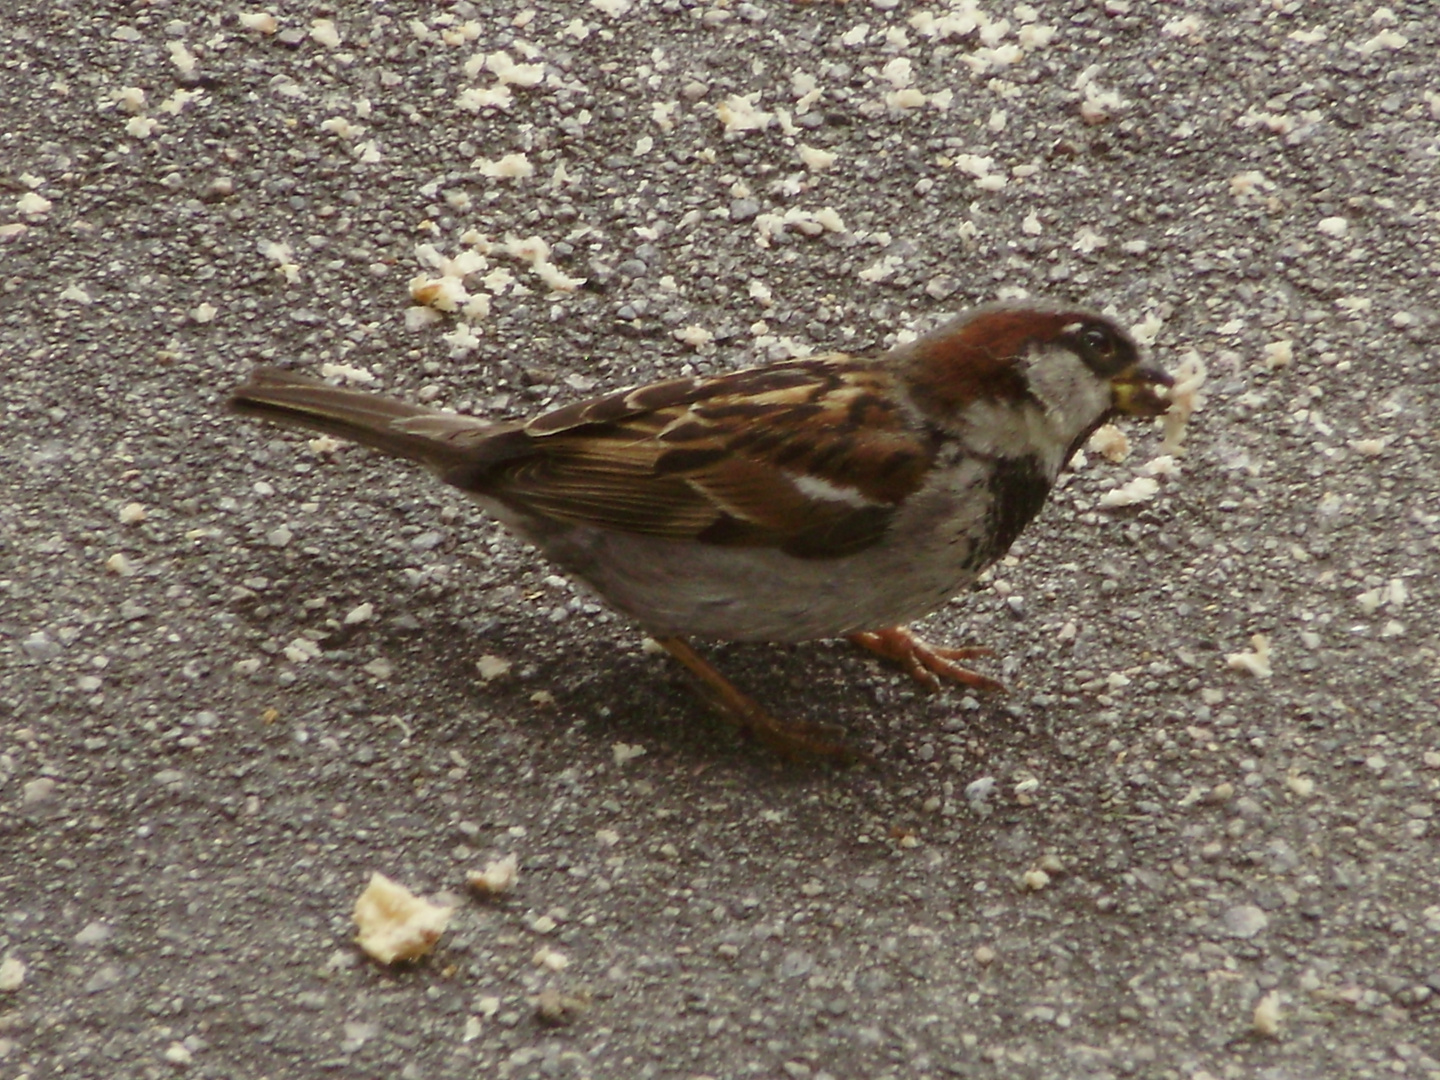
[927,664]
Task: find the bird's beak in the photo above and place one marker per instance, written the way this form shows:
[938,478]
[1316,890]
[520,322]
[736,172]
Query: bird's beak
[1141,391]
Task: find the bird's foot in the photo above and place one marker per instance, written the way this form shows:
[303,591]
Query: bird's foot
[925,663]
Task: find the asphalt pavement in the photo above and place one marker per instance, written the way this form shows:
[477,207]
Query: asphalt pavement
[241,670]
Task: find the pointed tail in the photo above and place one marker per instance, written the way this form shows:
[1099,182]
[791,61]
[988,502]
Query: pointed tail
[442,441]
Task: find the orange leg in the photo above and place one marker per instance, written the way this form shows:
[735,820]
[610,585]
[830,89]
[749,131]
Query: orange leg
[791,740]
[926,664]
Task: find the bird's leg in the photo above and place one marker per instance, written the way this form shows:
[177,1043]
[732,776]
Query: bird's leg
[792,740]
[926,664]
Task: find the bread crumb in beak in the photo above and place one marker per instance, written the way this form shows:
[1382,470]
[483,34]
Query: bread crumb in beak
[1142,391]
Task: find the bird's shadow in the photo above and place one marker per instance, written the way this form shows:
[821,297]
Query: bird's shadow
[614,691]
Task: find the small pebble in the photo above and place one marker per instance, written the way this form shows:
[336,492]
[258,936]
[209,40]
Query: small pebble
[12,974]
[1245,920]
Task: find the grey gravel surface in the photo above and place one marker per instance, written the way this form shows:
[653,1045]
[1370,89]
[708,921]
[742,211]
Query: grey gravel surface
[240,673]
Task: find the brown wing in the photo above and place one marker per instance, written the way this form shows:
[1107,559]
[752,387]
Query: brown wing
[810,456]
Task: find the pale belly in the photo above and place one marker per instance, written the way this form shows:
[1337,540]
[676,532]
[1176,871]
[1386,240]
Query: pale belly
[762,594]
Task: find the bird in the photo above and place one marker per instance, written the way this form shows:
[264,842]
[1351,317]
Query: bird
[835,495]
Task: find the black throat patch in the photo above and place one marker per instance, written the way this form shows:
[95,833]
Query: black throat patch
[1018,488]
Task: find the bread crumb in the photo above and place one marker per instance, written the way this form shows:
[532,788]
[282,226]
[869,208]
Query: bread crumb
[395,924]
[1266,1020]
[1110,442]
[1147,329]
[556,279]
[262,22]
[1256,663]
[1279,354]
[1035,880]
[497,878]
[474,99]
[739,114]
[626,752]
[508,72]
[131,99]
[1100,106]
[325,33]
[1249,183]
[816,160]
[443,293]
[182,57]
[694,336]
[509,167]
[1139,490]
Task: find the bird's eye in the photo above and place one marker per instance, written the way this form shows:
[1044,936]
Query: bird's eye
[1096,340]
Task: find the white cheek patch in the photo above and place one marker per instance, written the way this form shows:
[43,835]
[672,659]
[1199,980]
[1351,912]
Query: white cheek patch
[1067,399]
[1073,396]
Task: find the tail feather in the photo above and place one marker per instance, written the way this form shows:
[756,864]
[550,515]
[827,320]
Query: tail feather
[440,440]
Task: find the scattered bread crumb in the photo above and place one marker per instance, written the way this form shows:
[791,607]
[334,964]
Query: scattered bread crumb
[1147,329]
[262,22]
[1035,880]
[1139,490]
[1164,465]
[739,114]
[181,57]
[626,752]
[509,167]
[815,159]
[347,372]
[1110,443]
[324,32]
[1256,663]
[1266,1021]
[498,876]
[1279,354]
[694,336]
[395,924]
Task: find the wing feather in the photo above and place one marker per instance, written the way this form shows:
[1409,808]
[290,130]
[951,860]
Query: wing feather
[811,457]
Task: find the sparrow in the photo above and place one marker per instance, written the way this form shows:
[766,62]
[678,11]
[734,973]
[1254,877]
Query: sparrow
[831,496]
